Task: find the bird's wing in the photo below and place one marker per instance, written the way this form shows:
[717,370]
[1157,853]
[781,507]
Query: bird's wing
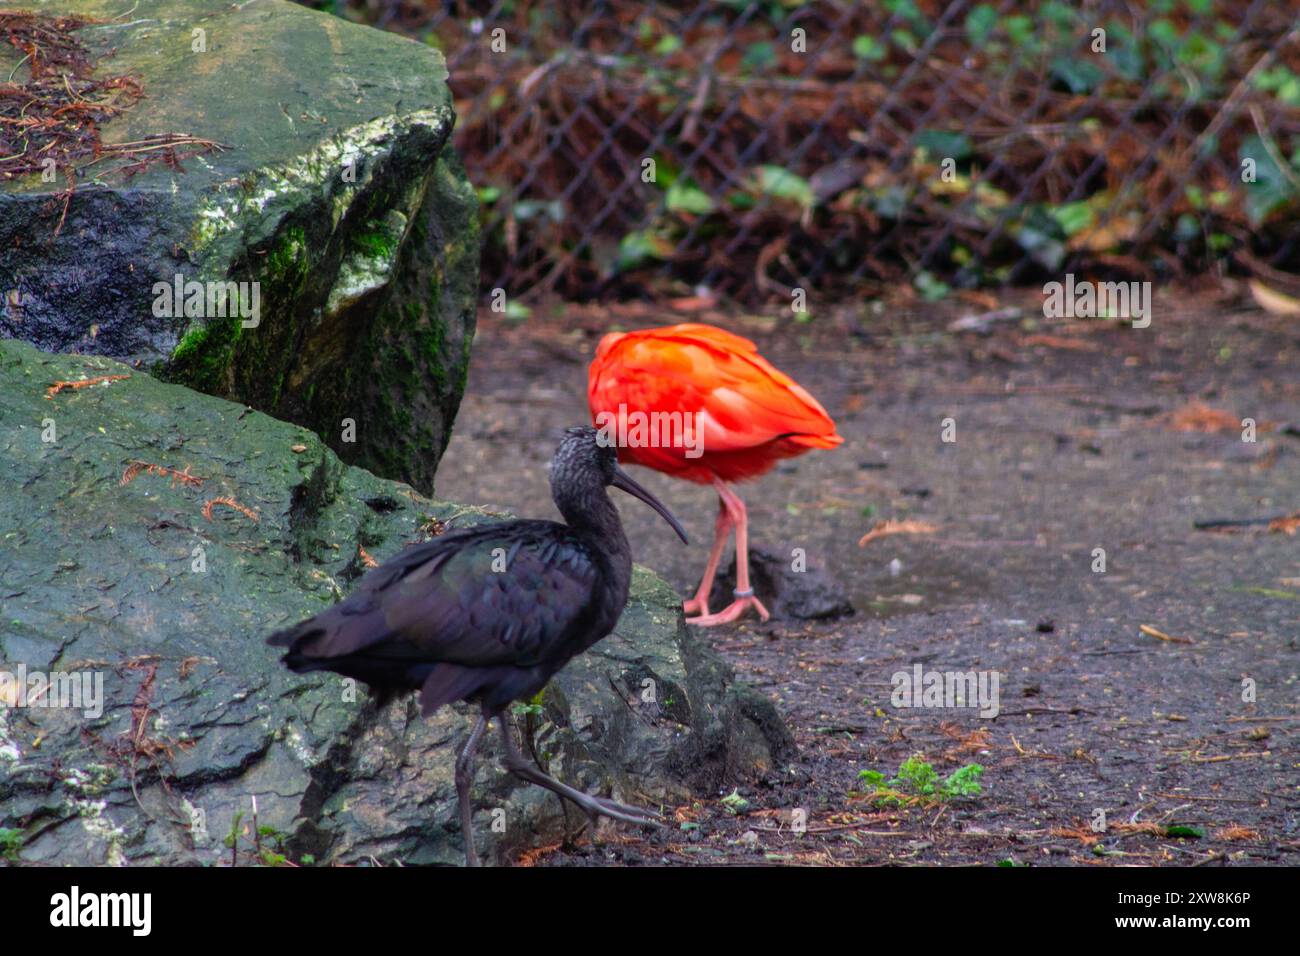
[490,595]
[743,400]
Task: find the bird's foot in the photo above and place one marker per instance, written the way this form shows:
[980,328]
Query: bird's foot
[699,606]
[731,612]
[604,807]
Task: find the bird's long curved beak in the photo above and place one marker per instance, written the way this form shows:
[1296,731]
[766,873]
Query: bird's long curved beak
[623,481]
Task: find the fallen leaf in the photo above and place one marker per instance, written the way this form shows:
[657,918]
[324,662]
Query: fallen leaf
[1080,832]
[1270,300]
[1234,834]
[883,529]
[1288,525]
[8,690]
[1060,342]
[693,303]
[1198,417]
[1161,635]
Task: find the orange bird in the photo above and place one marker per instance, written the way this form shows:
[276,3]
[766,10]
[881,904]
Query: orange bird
[699,403]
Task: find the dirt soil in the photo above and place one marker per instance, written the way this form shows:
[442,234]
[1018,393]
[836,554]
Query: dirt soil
[1069,436]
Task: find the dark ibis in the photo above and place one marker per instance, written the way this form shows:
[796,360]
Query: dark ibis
[489,614]
[737,416]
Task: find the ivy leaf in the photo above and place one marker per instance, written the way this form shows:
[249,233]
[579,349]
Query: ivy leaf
[1079,76]
[637,248]
[1073,217]
[780,183]
[940,144]
[869,48]
[685,197]
[980,24]
[1272,187]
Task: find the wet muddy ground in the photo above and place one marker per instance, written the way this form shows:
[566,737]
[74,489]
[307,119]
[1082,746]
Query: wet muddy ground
[1112,745]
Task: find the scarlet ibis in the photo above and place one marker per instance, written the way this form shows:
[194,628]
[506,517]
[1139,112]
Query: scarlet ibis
[746,416]
[490,613]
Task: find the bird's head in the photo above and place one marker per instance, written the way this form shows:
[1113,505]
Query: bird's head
[586,461]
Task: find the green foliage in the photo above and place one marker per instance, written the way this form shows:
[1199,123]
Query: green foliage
[1273,187]
[760,56]
[1073,217]
[963,782]
[980,23]
[940,144]
[642,246]
[11,842]
[780,183]
[911,14]
[734,803]
[1281,82]
[533,707]
[917,776]
[1155,62]
[667,45]
[866,47]
[516,311]
[918,782]
[1079,75]
[231,840]
[685,196]
[931,289]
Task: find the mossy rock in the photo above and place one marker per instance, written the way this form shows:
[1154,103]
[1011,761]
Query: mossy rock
[337,208]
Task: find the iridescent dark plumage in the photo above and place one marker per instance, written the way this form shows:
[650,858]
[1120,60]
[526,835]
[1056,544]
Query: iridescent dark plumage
[489,614]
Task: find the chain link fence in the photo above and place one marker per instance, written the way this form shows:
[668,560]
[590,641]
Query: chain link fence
[753,148]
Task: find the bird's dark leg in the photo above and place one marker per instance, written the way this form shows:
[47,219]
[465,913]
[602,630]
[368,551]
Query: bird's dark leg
[592,806]
[464,777]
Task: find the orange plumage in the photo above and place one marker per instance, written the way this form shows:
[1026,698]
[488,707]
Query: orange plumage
[752,414]
[744,417]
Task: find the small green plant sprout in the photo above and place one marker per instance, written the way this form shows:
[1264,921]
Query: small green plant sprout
[734,803]
[271,853]
[231,841]
[963,782]
[268,842]
[531,708]
[918,782]
[11,841]
[916,776]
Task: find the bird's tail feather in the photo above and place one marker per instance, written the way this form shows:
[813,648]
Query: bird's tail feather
[448,683]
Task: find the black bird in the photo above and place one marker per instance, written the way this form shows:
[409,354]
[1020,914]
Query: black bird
[490,613]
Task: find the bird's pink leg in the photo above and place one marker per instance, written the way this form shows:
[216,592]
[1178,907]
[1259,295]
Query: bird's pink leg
[744,592]
[721,531]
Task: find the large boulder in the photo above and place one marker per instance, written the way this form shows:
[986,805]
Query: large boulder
[336,205]
[151,536]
